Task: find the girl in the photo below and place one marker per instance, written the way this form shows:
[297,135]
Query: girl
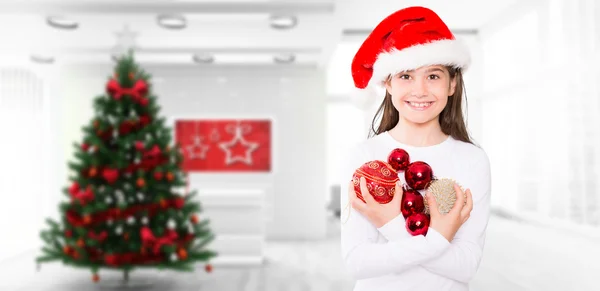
[413,54]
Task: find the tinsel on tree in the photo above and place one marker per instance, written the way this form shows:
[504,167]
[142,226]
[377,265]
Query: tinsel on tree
[126,205]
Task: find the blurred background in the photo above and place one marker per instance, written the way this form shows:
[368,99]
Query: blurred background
[533,105]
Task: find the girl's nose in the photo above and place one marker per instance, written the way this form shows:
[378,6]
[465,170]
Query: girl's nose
[419,88]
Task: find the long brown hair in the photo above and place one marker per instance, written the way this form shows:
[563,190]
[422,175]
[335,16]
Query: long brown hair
[451,118]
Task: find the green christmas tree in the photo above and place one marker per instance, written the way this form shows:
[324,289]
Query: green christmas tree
[125,208]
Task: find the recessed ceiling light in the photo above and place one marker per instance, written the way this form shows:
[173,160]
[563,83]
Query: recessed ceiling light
[283,22]
[203,59]
[42,59]
[284,59]
[61,22]
[170,21]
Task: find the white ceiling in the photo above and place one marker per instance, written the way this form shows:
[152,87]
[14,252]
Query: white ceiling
[236,31]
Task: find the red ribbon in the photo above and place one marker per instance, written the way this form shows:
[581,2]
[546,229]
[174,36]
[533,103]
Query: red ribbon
[150,241]
[137,92]
[99,237]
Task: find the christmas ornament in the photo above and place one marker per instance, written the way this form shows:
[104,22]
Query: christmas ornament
[418,175]
[139,145]
[139,90]
[85,147]
[68,233]
[95,278]
[84,196]
[87,219]
[144,101]
[443,192]
[80,243]
[170,177]
[194,219]
[110,175]
[158,175]
[155,243]
[238,131]
[381,181]
[163,203]
[399,159]
[407,39]
[93,172]
[171,224]
[74,188]
[144,121]
[179,202]
[98,236]
[417,224]
[412,202]
[208,268]
[182,253]
[141,182]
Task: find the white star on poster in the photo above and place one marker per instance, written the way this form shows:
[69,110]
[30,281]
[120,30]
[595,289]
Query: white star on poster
[197,149]
[238,137]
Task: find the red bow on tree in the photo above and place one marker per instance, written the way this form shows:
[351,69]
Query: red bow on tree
[150,241]
[84,196]
[137,92]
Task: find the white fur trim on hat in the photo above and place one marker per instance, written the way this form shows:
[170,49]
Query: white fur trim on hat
[452,52]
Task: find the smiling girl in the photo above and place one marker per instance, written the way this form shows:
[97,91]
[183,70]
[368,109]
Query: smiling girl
[415,57]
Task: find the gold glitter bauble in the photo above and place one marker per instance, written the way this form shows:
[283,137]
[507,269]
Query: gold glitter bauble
[444,194]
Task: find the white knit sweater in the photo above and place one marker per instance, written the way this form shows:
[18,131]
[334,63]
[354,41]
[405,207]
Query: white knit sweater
[389,258]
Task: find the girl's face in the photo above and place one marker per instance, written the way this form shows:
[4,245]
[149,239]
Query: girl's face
[420,95]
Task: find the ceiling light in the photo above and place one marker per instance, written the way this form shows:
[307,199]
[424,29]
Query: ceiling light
[284,59]
[203,59]
[283,22]
[42,59]
[61,22]
[172,21]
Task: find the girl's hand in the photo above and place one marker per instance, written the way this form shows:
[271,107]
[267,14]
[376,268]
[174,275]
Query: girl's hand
[378,214]
[448,224]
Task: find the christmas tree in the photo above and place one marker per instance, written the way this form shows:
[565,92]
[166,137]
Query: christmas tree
[126,204]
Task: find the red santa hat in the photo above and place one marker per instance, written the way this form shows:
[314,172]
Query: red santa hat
[407,39]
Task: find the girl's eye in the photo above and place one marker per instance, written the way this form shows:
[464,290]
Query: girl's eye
[404,77]
[434,77]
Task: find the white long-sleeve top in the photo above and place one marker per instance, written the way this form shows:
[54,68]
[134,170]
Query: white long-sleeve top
[389,258]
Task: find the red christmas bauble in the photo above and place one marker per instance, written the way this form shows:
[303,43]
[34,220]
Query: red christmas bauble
[110,175]
[399,159]
[381,180]
[158,176]
[179,202]
[139,145]
[144,101]
[85,147]
[417,224]
[412,202]
[144,120]
[68,233]
[418,175]
[208,268]
[74,189]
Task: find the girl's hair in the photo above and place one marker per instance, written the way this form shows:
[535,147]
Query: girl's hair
[451,118]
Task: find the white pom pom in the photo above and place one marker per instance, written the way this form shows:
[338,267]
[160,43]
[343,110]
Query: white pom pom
[365,98]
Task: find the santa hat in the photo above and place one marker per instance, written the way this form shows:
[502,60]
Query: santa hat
[407,39]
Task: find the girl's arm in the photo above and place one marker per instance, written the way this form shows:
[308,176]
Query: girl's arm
[363,256]
[461,260]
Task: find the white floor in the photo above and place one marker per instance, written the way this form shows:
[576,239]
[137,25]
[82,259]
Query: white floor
[517,257]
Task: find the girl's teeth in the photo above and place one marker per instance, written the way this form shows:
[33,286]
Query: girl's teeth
[420,104]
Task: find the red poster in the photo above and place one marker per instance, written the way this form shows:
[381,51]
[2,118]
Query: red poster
[225,145]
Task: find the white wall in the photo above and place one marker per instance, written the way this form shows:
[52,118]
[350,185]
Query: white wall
[294,97]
